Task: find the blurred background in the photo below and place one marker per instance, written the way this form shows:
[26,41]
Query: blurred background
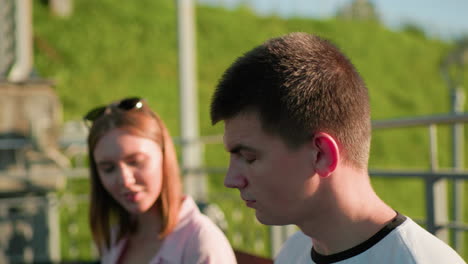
[60,58]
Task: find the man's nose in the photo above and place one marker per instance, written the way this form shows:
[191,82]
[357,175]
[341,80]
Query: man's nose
[234,178]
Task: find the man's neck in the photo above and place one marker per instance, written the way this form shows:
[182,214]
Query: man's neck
[352,214]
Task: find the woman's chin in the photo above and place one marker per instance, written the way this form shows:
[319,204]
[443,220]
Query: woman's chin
[137,208]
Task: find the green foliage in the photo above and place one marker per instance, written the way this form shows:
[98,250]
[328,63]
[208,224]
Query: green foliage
[414,29]
[108,50]
[359,10]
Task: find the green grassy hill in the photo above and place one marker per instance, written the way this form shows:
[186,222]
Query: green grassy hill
[106,51]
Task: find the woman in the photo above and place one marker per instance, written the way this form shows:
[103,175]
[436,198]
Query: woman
[138,213]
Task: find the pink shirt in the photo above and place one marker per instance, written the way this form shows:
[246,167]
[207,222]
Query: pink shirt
[195,240]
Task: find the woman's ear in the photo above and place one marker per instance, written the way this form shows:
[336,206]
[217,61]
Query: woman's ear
[328,154]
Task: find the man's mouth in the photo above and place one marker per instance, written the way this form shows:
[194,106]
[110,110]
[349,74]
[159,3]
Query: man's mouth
[250,203]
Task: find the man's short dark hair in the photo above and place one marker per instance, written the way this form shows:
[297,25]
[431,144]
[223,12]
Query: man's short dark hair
[299,84]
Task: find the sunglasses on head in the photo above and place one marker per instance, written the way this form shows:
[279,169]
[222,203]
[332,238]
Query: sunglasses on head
[125,105]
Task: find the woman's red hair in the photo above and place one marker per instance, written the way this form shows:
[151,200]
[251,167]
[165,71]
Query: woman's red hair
[105,213]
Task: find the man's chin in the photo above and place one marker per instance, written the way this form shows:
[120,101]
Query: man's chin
[270,220]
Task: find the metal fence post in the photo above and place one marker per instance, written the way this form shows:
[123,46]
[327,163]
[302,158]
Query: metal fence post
[279,235]
[436,193]
[458,99]
[276,239]
[53,224]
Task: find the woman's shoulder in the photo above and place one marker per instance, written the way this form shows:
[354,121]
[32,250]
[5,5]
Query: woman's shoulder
[193,221]
[111,254]
[204,240]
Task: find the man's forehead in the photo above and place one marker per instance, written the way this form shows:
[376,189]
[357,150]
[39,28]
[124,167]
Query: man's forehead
[241,127]
[242,122]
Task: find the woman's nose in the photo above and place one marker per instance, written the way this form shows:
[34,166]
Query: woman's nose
[127,177]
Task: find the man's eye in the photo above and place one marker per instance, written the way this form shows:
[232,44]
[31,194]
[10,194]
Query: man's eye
[249,158]
[250,161]
[235,155]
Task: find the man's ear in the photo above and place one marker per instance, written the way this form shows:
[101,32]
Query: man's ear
[328,154]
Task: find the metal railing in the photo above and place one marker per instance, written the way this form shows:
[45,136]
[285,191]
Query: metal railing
[436,221]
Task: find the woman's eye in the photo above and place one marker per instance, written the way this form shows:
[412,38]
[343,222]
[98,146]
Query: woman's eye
[137,162]
[106,168]
[134,163]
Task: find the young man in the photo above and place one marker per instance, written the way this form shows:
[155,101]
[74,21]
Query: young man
[298,128]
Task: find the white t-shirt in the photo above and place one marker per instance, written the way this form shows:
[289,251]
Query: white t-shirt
[403,243]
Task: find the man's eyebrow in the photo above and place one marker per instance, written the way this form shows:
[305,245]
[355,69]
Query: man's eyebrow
[239,147]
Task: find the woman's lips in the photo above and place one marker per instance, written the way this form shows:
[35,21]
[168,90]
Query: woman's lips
[132,196]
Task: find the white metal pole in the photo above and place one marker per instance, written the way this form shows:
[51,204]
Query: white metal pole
[194,184]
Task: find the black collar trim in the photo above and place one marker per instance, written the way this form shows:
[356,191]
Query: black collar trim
[354,251]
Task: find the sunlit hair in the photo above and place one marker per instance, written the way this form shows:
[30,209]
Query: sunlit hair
[105,212]
[299,84]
